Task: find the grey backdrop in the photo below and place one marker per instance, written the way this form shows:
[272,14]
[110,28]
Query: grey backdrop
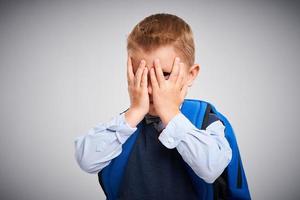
[63,69]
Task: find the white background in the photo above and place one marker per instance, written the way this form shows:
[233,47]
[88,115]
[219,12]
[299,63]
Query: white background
[63,70]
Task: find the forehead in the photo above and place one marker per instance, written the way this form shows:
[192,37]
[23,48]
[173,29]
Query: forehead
[165,54]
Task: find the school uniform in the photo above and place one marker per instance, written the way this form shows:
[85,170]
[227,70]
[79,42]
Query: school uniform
[155,166]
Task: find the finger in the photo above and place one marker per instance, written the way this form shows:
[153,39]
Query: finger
[183,92]
[154,82]
[144,79]
[130,75]
[139,73]
[175,70]
[180,78]
[158,72]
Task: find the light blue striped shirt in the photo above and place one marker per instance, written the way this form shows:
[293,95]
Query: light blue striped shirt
[207,151]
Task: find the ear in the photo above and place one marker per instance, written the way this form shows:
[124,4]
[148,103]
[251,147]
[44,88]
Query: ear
[192,74]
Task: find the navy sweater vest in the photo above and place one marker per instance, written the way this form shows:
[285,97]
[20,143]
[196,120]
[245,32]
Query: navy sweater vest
[156,172]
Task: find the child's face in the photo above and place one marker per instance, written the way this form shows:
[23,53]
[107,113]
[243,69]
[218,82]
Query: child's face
[166,55]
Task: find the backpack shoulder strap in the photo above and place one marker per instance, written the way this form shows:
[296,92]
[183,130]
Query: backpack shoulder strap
[197,112]
[194,110]
[206,117]
[235,174]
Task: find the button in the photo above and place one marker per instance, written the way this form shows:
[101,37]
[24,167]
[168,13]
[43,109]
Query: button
[170,140]
[100,146]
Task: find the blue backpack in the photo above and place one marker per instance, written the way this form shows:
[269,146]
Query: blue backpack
[231,184]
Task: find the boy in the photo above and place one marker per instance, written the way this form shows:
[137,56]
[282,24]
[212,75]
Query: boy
[160,69]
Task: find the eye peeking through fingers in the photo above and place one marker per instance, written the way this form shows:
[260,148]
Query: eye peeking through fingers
[166,75]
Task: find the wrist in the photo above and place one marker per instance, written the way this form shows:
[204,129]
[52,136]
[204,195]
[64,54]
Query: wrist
[166,117]
[133,116]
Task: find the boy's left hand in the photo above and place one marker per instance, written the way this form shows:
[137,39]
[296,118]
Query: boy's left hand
[168,94]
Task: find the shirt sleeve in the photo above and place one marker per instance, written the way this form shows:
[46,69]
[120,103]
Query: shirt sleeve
[207,151]
[102,143]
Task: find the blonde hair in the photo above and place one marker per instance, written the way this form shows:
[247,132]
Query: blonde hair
[163,29]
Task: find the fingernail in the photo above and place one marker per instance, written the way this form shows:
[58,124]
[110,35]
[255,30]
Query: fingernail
[177,59]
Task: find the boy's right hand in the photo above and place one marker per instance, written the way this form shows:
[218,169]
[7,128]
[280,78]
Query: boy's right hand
[138,93]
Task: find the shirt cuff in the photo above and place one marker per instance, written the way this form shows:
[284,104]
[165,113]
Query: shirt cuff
[124,130]
[175,131]
[119,126]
